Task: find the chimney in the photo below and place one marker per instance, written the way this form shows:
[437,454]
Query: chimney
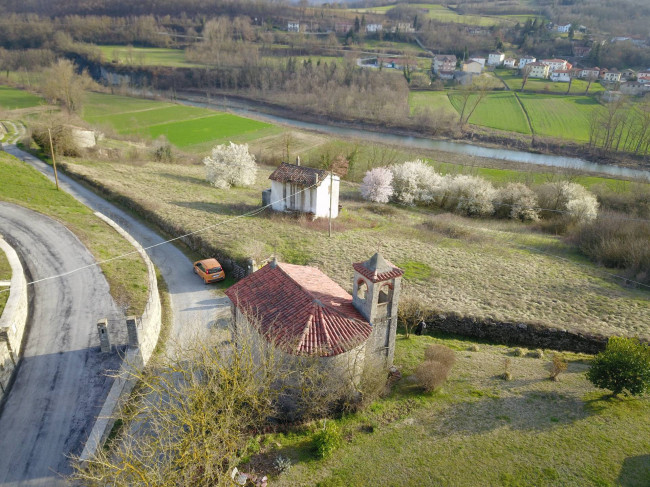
[274,262]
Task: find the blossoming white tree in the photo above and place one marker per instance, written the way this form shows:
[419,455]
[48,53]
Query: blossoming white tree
[469,195]
[230,165]
[517,201]
[572,198]
[376,185]
[415,182]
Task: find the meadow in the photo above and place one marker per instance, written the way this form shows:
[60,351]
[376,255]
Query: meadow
[145,56]
[190,128]
[498,110]
[578,87]
[441,13]
[477,430]
[12,99]
[563,117]
[127,277]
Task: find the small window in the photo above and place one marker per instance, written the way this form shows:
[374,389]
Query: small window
[362,289]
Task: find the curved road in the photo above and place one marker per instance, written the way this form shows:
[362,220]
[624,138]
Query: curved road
[61,381]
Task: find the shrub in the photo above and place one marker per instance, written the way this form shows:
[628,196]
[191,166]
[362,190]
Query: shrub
[624,366]
[469,195]
[282,464]
[414,182]
[230,165]
[431,375]
[539,353]
[507,363]
[327,440]
[519,352]
[516,201]
[572,198]
[376,185]
[474,348]
[441,354]
[558,365]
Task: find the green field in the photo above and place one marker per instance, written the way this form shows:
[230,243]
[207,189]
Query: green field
[441,13]
[564,117]
[498,110]
[435,100]
[11,98]
[184,126]
[146,56]
[578,87]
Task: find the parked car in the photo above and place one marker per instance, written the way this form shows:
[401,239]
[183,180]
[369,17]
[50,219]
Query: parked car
[209,270]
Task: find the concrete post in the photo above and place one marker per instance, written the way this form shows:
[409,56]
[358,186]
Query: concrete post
[104,340]
[251,266]
[132,330]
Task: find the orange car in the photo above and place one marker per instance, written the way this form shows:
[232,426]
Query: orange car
[210,270]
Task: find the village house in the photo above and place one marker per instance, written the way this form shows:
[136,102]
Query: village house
[556,64]
[561,75]
[538,70]
[373,28]
[303,313]
[589,73]
[526,60]
[495,58]
[628,74]
[293,26]
[443,63]
[634,88]
[472,67]
[643,76]
[303,189]
[480,60]
[612,76]
[563,28]
[509,62]
[581,51]
[403,27]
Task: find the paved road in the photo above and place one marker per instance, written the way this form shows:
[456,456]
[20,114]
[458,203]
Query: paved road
[195,306]
[61,383]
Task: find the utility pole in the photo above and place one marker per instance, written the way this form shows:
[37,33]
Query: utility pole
[56,176]
[331,198]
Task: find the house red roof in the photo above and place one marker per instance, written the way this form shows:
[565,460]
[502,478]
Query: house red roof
[301,310]
[377,269]
[292,173]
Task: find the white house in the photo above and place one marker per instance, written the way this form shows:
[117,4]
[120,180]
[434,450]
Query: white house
[563,28]
[587,73]
[372,28]
[525,60]
[495,58]
[293,26]
[305,189]
[538,70]
[443,63]
[643,76]
[613,76]
[562,75]
[509,62]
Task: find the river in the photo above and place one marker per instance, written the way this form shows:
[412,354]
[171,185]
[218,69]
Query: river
[247,109]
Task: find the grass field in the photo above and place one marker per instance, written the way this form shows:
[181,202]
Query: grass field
[191,128]
[5,275]
[441,13]
[127,277]
[578,87]
[478,430]
[498,110]
[435,100]
[11,99]
[146,56]
[516,282]
[562,117]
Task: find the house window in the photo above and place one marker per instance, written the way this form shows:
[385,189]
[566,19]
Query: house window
[362,290]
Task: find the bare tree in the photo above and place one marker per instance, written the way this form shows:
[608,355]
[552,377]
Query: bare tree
[590,79]
[470,98]
[410,313]
[62,85]
[525,73]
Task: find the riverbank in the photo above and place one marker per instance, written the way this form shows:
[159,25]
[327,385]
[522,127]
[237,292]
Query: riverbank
[568,154]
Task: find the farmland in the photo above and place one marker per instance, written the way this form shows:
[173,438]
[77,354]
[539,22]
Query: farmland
[12,99]
[435,100]
[499,110]
[578,87]
[563,117]
[190,128]
[146,56]
[441,13]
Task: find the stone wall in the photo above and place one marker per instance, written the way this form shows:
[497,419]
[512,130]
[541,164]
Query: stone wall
[13,320]
[511,333]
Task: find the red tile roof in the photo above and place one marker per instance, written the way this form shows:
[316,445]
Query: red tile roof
[377,269]
[292,173]
[301,310]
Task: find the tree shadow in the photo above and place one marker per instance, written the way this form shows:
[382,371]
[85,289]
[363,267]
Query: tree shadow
[635,472]
[186,179]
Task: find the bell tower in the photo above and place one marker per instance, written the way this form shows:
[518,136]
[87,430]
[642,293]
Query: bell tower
[375,295]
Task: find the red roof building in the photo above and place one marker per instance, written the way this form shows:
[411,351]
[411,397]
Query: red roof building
[301,310]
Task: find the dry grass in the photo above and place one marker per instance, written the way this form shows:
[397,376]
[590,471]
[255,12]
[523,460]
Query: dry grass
[5,275]
[481,268]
